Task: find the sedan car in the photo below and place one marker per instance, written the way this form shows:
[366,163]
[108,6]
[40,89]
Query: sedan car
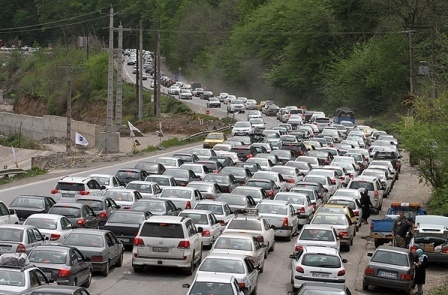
[202,153]
[265,164]
[237,203]
[240,266]
[311,193]
[257,193]
[311,288]
[199,170]
[317,235]
[24,206]
[280,182]
[209,190]
[124,198]
[151,167]
[109,181]
[53,227]
[341,222]
[291,175]
[241,244]
[169,162]
[64,265]
[301,204]
[80,215]
[213,165]
[211,228]
[226,183]
[21,280]
[126,175]
[281,216]
[156,207]
[212,283]
[241,174]
[60,290]
[125,224]
[268,185]
[213,102]
[103,206]
[162,180]
[100,246]
[221,210]
[146,189]
[182,197]
[182,176]
[390,267]
[15,238]
[317,264]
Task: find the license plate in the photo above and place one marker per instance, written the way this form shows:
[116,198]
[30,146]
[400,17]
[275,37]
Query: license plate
[123,240]
[159,249]
[386,274]
[5,248]
[320,274]
[66,195]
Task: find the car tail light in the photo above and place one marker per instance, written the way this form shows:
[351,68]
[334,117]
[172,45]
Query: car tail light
[343,234]
[351,175]
[103,214]
[139,242]
[55,237]
[342,178]
[64,272]
[290,180]
[96,259]
[271,193]
[445,249]
[249,156]
[375,194]
[184,245]
[84,193]
[188,205]
[242,285]
[369,271]
[54,191]
[135,233]
[285,221]
[81,221]
[301,210]
[206,233]
[406,277]
[297,248]
[333,181]
[242,182]
[260,239]
[299,269]
[414,248]
[21,248]
[341,272]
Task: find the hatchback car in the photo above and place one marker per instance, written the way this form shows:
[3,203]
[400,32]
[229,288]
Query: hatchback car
[390,267]
[124,198]
[100,246]
[317,264]
[64,265]
[53,227]
[80,215]
[109,181]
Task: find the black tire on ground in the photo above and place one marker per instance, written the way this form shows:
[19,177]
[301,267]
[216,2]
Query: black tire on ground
[89,281]
[138,269]
[365,287]
[105,272]
[189,271]
[378,243]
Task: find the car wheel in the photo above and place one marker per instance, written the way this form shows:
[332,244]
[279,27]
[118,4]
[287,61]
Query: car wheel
[190,269]
[266,252]
[105,271]
[120,260]
[138,269]
[289,238]
[365,287]
[200,259]
[378,243]
[262,267]
[89,280]
[347,248]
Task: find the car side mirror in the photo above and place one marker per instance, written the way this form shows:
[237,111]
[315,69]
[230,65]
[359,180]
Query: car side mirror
[272,226]
[103,187]
[118,206]
[186,286]
[87,259]
[370,254]
[344,260]
[292,256]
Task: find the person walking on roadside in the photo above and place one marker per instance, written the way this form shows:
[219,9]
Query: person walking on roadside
[399,230]
[420,262]
[366,204]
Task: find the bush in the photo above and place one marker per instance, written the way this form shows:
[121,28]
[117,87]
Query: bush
[19,142]
[438,205]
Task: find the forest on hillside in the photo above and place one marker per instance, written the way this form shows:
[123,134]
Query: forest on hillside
[319,53]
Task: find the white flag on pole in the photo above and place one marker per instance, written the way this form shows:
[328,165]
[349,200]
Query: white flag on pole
[160,128]
[132,128]
[81,140]
[14,154]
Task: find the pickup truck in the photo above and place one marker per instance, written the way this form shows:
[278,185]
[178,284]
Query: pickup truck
[7,216]
[381,229]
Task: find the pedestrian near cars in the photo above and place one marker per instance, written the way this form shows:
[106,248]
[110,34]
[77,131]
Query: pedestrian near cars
[399,230]
[420,262]
[366,204]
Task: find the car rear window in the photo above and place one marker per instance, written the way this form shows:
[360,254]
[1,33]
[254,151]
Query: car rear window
[211,288]
[216,209]
[152,206]
[11,234]
[66,211]
[84,240]
[28,203]
[272,209]
[245,225]
[222,265]
[321,260]
[317,235]
[14,278]
[162,230]
[387,257]
[124,217]
[322,120]
[70,186]
[46,256]
[42,223]
[361,184]
[94,204]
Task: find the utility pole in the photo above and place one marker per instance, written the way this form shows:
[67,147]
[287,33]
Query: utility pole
[68,139]
[119,98]
[110,74]
[157,74]
[411,63]
[432,71]
[137,75]
[140,70]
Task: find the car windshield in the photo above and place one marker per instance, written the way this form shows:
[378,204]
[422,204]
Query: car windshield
[234,171]
[320,180]
[28,203]
[48,257]
[11,234]
[233,243]
[128,175]
[12,278]
[317,235]
[151,206]
[236,101]
[272,209]
[94,204]
[42,223]
[324,218]
[70,186]
[200,288]
[222,265]
[197,218]
[66,211]
[321,260]
[120,196]
[84,240]
[125,217]
[102,180]
[141,187]
[297,200]
[194,168]
[253,225]
[284,170]
[164,181]
[388,257]
[176,193]
[216,209]
[220,179]
[361,184]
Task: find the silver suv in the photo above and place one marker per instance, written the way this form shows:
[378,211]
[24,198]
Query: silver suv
[171,241]
[69,189]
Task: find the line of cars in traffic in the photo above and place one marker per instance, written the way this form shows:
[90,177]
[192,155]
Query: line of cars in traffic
[236,197]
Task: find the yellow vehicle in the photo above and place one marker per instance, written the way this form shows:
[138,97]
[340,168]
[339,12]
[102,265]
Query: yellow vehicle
[343,209]
[212,139]
[260,105]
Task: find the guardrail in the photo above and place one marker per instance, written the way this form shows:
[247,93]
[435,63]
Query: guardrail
[207,132]
[11,171]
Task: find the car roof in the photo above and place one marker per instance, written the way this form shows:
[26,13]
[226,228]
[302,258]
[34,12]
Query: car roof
[69,204]
[19,226]
[317,226]
[32,196]
[74,179]
[89,231]
[274,202]
[198,211]
[214,277]
[237,235]
[92,197]
[165,219]
[226,256]
[321,249]
[392,249]
[46,215]
[212,202]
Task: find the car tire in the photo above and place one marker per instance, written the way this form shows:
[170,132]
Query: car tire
[378,243]
[347,248]
[89,281]
[190,270]
[138,269]
[120,261]
[365,287]
[199,260]
[289,238]
[105,272]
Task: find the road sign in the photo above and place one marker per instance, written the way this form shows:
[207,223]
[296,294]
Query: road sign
[207,112]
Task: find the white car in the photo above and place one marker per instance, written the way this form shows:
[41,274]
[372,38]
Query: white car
[199,170]
[222,96]
[174,90]
[169,162]
[275,176]
[319,264]
[206,283]
[221,210]
[242,128]
[301,203]
[292,175]
[317,235]
[147,189]
[251,104]
[124,197]
[211,228]
[182,197]
[108,180]
[55,228]
[281,216]
[236,105]
[7,216]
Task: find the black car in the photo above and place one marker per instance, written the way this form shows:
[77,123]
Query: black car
[151,167]
[60,290]
[241,174]
[80,215]
[182,176]
[125,224]
[186,157]
[298,148]
[212,165]
[225,161]
[206,95]
[324,157]
[225,182]
[156,206]
[28,205]
[103,206]
[321,190]
[126,175]
[64,265]
[244,152]
[284,156]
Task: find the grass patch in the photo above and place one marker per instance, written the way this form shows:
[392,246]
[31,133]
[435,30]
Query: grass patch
[28,173]
[19,142]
